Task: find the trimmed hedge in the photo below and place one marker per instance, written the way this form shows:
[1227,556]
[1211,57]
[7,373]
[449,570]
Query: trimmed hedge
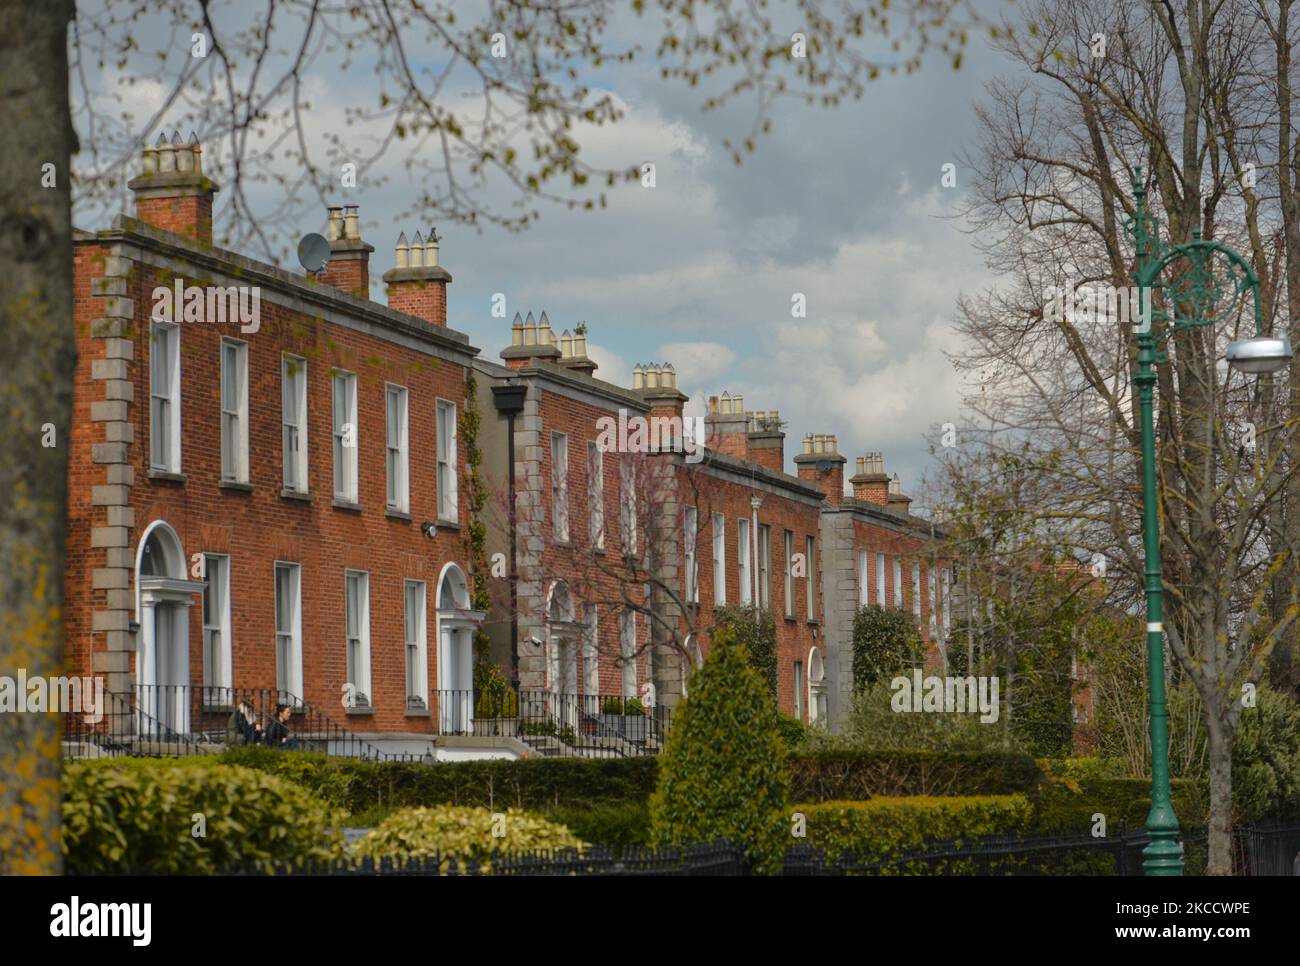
[1063,805]
[827,776]
[535,783]
[617,824]
[886,827]
[141,816]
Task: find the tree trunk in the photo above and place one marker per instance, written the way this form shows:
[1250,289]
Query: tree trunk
[36,324]
[1220,831]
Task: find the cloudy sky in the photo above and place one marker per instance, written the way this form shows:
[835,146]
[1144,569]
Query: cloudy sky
[844,206]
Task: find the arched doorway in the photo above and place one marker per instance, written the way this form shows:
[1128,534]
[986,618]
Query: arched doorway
[457,624]
[163,597]
[816,687]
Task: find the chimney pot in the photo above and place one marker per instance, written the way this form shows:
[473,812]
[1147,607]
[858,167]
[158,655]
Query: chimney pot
[431,248]
[401,251]
[335,230]
[417,251]
[517,331]
[351,223]
[566,345]
[166,155]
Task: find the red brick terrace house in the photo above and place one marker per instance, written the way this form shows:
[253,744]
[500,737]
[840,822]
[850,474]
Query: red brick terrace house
[874,551]
[264,486]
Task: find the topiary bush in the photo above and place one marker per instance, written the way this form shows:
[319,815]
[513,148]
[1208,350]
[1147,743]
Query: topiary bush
[722,774]
[455,832]
[141,816]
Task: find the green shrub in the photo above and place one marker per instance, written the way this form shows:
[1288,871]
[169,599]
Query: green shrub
[888,827]
[756,632]
[625,706]
[874,725]
[1068,805]
[139,816]
[886,642]
[794,733]
[497,704]
[722,774]
[461,833]
[618,824]
[360,786]
[835,775]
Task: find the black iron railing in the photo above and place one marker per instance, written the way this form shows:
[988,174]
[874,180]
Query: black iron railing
[558,724]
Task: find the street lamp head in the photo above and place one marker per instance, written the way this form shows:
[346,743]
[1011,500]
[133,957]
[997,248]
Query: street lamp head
[1259,354]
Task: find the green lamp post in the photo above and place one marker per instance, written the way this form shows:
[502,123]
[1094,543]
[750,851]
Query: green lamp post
[1191,302]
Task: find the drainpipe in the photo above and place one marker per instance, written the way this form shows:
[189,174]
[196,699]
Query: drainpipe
[509,400]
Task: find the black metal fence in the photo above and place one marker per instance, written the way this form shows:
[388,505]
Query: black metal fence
[555,724]
[1261,850]
[167,720]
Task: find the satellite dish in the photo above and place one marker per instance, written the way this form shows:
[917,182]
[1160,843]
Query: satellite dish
[313,252]
[825,466]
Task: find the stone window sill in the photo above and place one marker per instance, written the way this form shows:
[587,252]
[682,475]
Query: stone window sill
[167,476]
[394,514]
[299,495]
[347,505]
[236,486]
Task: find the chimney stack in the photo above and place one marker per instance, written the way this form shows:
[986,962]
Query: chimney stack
[871,483]
[764,441]
[896,500]
[172,192]
[349,266]
[417,285]
[726,426]
[658,386]
[530,341]
[821,464]
[573,351]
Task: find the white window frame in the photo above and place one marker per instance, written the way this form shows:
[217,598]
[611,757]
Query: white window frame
[898,581]
[933,596]
[596,494]
[397,453]
[627,484]
[800,686]
[765,565]
[745,574]
[560,486]
[165,401]
[864,582]
[788,590]
[288,674]
[810,580]
[916,590]
[217,664]
[361,638]
[880,580]
[447,430]
[627,647]
[234,412]
[293,435]
[945,607]
[719,559]
[346,459]
[416,653]
[690,536]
